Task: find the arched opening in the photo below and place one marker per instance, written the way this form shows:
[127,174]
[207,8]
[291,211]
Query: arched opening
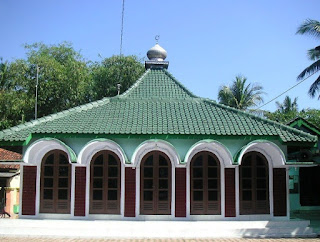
[55,184]
[205,186]
[105,183]
[155,184]
[254,184]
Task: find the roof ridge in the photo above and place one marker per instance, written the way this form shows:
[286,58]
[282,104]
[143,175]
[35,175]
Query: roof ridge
[54,116]
[134,85]
[180,84]
[308,122]
[286,127]
[145,75]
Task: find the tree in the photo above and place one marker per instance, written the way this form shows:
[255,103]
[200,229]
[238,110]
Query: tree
[123,70]
[241,95]
[63,77]
[288,105]
[4,79]
[311,27]
[311,115]
[66,80]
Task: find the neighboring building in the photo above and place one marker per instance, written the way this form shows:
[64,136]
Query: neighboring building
[9,180]
[155,152]
[304,179]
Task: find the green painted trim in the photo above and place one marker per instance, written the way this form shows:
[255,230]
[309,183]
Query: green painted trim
[28,139]
[299,163]
[158,136]
[302,144]
[300,121]
[12,143]
[161,136]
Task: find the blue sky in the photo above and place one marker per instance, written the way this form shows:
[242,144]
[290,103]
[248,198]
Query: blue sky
[208,42]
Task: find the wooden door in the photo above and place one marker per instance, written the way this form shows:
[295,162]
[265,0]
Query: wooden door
[254,184]
[55,183]
[155,184]
[105,183]
[205,184]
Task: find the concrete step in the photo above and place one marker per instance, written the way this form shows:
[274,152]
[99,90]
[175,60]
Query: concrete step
[155,229]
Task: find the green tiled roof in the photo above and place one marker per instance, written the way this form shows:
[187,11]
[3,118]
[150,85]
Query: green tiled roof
[157,104]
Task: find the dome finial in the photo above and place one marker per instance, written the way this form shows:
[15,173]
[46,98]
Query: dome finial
[157,38]
[156,56]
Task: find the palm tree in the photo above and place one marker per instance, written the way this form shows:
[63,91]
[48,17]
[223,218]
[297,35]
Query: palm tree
[241,96]
[311,27]
[288,105]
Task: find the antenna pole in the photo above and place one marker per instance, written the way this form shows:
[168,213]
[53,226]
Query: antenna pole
[118,87]
[122,20]
[36,102]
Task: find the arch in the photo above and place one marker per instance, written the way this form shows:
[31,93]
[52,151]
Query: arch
[213,146]
[142,150]
[268,149]
[155,145]
[37,150]
[94,146]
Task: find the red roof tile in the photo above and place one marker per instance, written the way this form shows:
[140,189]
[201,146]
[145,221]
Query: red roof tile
[3,166]
[9,155]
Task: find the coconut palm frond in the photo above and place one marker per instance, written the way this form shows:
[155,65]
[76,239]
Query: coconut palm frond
[313,68]
[314,54]
[241,95]
[311,27]
[225,95]
[288,105]
[314,88]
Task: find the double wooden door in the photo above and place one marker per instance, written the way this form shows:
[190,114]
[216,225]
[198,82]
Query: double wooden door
[105,183]
[55,183]
[254,184]
[155,184]
[205,184]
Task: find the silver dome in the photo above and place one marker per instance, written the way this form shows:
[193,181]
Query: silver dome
[157,53]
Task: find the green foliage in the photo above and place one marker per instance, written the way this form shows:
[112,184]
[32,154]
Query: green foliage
[311,115]
[281,117]
[311,27]
[123,70]
[288,105]
[288,111]
[65,80]
[240,95]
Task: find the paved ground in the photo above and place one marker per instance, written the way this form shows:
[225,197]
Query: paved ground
[114,229]
[45,239]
